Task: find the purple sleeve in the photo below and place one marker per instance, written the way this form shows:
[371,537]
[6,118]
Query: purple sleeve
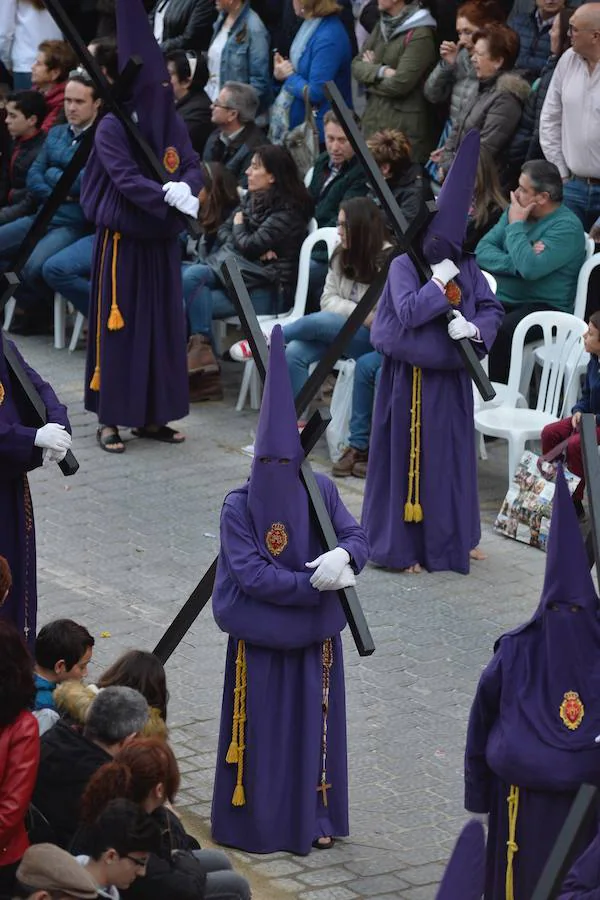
[55,410]
[583,880]
[414,305]
[484,712]
[349,533]
[114,153]
[254,574]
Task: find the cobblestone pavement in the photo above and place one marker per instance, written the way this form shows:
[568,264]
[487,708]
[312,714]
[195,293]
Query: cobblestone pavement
[122,544]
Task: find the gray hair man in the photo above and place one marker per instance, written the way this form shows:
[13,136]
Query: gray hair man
[68,759]
[236,134]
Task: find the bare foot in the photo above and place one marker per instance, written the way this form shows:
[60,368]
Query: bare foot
[477,554]
[413,570]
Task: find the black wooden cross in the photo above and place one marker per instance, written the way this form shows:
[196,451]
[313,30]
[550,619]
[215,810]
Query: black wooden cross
[585,805]
[404,232]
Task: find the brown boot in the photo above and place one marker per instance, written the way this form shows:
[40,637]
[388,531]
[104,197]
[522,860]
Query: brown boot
[200,357]
[359,469]
[343,468]
[205,387]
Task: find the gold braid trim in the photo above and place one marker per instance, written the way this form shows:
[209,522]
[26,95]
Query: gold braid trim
[115,319]
[95,382]
[513,811]
[235,754]
[413,511]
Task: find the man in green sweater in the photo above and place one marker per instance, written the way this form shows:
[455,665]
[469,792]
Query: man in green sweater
[535,253]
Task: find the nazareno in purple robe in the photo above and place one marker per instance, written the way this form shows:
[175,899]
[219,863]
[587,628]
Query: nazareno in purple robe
[263,597]
[410,329]
[583,880]
[19,455]
[535,716]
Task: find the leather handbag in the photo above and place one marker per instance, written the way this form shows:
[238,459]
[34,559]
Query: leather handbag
[302,142]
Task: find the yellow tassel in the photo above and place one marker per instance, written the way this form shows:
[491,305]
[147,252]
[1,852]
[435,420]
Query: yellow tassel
[417,508]
[115,319]
[233,753]
[513,811]
[95,382]
[408,506]
[417,512]
[239,797]
[409,512]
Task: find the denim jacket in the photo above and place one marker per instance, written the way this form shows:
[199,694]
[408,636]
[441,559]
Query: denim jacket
[246,54]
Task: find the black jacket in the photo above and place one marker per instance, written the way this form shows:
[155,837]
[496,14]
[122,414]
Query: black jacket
[235,155]
[411,191]
[67,762]
[195,111]
[525,144]
[20,201]
[188,24]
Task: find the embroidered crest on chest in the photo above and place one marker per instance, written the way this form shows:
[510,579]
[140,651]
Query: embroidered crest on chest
[171,160]
[276,538]
[571,710]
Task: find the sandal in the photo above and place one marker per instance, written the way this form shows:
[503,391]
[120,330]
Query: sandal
[165,434]
[319,846]
[108,437]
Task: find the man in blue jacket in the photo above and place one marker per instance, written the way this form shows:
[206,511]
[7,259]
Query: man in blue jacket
[68,223]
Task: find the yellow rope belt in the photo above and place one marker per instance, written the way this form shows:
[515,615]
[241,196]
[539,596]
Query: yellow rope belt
[513,811]
[235,753]
[95,382]
[413,511]
[115,319]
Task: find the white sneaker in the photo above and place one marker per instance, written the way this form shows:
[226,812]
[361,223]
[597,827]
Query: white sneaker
[242,351]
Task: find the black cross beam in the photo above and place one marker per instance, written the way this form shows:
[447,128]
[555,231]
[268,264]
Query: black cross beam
[405,233]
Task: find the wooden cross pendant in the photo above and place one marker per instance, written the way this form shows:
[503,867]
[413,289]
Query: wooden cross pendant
[323,787]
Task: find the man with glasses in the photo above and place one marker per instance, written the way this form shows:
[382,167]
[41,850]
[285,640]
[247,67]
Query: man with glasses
[68,223]
[570,120]
[236,134]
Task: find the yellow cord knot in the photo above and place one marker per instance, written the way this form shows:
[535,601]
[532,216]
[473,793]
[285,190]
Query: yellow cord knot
[413,511]
[115,319]
[95,380]
[235,753]
[511,844]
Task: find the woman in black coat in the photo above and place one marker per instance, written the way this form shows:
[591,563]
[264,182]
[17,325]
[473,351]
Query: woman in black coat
[186,24]
[189,75]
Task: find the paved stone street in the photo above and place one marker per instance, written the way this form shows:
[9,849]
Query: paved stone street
[122,544]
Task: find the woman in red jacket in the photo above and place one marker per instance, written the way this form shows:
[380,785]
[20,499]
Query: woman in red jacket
[19,751]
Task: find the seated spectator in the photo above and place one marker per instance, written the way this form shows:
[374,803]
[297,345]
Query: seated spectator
[19,751]
[236,135]
[183,24]
[392,65]
[189,75]
[5,579]
[355,457]
[488,202]
[266,235]
[49,75]
[104,51]
[535,253]
[589,402]
[525,144]
[320,52]
[68,223]
[69,273]
[69,759]
[454,77]
[63,650]
[534,36]
[25,112]
[391,151]
[146,773]
[48,873]
[116,846]
[23,25]
[496,110]
[337,176]
[239,51]
[354,264]
[137,669]
[218,199]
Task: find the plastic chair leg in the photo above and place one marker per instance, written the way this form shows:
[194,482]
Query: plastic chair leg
[9,311]
[60,318]
[245,385]
[255,389]
[77,329]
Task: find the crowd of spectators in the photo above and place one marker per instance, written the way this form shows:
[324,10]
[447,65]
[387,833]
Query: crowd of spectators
[419,76]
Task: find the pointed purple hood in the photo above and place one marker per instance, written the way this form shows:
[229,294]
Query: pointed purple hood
[446,232]
[151,98]
[276,496]
[465,873]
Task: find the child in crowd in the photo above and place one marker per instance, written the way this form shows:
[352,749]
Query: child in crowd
[63,650]
[589,402]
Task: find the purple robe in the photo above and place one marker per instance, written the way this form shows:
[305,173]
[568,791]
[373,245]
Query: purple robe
[583,880]
[410,329]
[19,455]
[283,621]
[142,366]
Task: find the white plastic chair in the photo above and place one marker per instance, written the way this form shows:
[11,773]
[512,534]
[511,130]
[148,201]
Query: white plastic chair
[9,311]
[250,379]
[308,176]
[516,425]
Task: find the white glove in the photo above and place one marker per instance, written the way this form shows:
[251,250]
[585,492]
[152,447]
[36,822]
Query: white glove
[329,566]
[460,328]
[444,271]
[53,437]
[55,456]
[346,579]
[189,206]
[176,192]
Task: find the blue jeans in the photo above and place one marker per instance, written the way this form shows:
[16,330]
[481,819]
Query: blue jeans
[206,300]
[70,273]
[13,234]
[307,341]
[366,380]
[583,199]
